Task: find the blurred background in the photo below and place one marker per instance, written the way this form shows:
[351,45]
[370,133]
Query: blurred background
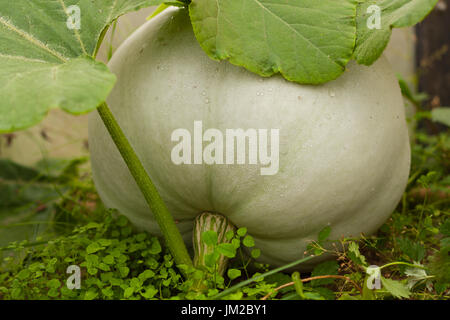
[420,55]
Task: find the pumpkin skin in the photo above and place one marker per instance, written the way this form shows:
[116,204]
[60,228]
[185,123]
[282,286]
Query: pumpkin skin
[344,153]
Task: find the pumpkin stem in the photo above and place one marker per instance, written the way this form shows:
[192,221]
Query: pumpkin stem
[210,231]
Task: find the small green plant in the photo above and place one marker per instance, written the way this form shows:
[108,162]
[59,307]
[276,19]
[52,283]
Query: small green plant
[116,263]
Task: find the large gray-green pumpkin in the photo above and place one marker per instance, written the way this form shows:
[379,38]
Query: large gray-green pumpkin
[344,153]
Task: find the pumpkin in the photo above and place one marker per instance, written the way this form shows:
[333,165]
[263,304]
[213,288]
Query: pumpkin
[344,153]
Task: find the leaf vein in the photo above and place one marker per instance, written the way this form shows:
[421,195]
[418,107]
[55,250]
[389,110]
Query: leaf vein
[75,31]
[21,58]
[298,33]
[29,37]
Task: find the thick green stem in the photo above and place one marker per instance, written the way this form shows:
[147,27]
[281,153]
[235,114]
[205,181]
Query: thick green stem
[162,215]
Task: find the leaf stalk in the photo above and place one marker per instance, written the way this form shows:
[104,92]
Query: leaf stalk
[171,234]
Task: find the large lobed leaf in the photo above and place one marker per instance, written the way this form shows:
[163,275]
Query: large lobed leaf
[371,43]
[307,41]
[45,64]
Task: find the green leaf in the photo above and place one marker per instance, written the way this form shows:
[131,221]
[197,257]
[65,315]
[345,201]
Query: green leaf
[47,169]
[279,279]
[323,269]
[54,283]
[307,41]
[371,42]
[105,242]
[150,292]
[108,292]
[346,296]
[141,237]
[59,169]
[255,253]
[124,271]
[23,274]
[396,288]
[441,115]
[236,243]
[324,234]
[14,171]
[92,260]
[155,246]
[413,249]
[92,270]
[128,292]
[47,59]
[355,255]
[90,295]
[445,228]
[104,267]
[313,296]
[53,292]
[445,242]
[209,237]
[233,273]
[415,275]
[229,235]
[109,259]
[241,231]
[439,265]
[146,275]
[122,221]
[227,249]
[404,87]
[325,293]
[248,241]
[29,89]
[94,247]
[16,293]
[211,258]
[368,292]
